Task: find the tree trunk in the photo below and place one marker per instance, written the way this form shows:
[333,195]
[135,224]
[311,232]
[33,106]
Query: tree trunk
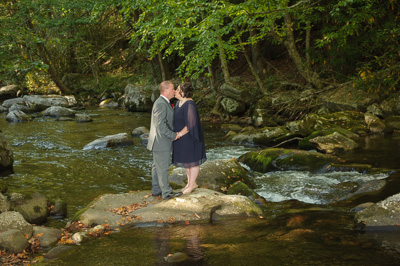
[44,55]
[308,40]
[224,63]
[217,107]
[304,69]
[164,70]
[256,57]
[212,78]
[51,70]
[154,72]
[253,71]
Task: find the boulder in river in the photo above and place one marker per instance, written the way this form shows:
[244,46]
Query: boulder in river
[58,111]
[6,154]
[374,124]
[47,236]
[217,175]
[39,103]
[268,136]
[5,204]
[137,132]
[333,143]
[13,241]
[140,208]
[33,207]
[19,107]
[17,116]
[10,102]
[384,214]
[232,106]
[14,220]
[139,98]
[83,118]
[287,159]
[305,143]
[120,139]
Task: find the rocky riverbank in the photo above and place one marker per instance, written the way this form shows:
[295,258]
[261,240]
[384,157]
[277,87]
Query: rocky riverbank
[313,143]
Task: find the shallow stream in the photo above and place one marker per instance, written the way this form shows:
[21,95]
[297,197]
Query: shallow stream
[301,228]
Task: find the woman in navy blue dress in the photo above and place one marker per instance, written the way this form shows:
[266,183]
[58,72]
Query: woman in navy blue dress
[189,149]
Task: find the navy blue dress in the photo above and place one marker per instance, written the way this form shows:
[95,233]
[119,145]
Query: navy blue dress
[189,150]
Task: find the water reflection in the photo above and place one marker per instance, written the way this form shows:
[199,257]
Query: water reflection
[187,248]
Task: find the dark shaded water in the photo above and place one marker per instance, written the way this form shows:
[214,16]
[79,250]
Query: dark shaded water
[49,159]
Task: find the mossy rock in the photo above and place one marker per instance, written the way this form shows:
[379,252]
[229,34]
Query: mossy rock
[33,207]
[240,188]
[261,161]
[217,175]
[361,168]
[267,136]
[231,127]
[3,186]
[393,122]
[350,120]
[286,159]
[267,141]
[305,143]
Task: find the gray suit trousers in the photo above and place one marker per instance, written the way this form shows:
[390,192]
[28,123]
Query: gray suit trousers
[159,173]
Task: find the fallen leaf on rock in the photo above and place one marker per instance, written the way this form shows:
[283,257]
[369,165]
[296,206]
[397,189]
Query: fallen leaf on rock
[145,197]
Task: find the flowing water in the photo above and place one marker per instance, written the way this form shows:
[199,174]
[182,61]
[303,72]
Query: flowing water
[300,227]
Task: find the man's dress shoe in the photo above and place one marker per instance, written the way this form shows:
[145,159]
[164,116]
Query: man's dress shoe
[172,195]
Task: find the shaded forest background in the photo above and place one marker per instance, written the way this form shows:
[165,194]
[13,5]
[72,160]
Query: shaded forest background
[95,47]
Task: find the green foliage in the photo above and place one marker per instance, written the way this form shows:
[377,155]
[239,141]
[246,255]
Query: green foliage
[350,39]
[364,36]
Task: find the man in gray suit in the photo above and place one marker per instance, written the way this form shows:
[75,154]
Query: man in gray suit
[160,141]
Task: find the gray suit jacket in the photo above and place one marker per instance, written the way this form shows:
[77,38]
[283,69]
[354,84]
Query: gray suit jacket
[161,128]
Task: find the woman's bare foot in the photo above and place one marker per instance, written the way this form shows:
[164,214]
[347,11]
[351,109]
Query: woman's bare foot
[187,185]
[189,190]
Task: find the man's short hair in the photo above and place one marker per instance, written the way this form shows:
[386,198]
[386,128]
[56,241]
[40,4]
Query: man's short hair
[164,85]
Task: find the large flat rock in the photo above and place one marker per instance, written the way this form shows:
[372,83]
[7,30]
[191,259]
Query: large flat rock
[139,208]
